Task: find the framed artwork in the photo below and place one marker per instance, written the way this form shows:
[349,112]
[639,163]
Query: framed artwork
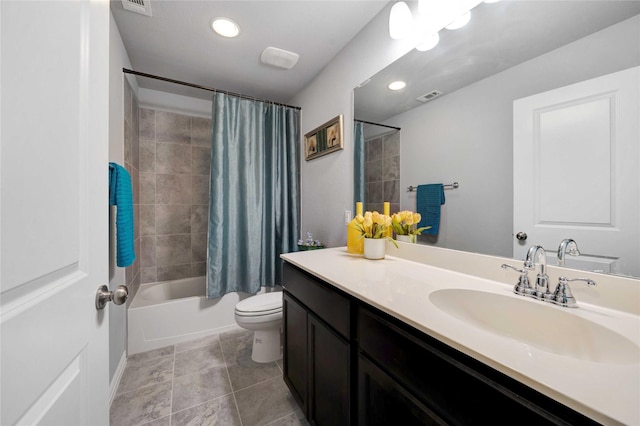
[324,139]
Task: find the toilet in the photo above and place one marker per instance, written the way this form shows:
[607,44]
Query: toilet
[262,314]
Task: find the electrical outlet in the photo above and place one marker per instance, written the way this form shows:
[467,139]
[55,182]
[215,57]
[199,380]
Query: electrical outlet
[347,217]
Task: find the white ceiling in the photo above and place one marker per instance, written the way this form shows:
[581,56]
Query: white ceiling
[177,42]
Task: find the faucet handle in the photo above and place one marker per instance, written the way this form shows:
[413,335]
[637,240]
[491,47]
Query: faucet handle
[523,287]
[563,296]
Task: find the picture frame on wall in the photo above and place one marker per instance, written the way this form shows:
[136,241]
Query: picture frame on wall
[324,139]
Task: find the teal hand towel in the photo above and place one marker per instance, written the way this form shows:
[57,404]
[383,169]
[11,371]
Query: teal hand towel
[121,196]
[429,198]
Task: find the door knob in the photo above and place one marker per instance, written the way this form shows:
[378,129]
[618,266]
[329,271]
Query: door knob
[522,236]
[117,296]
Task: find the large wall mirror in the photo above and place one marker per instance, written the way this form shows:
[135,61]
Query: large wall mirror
[569,70]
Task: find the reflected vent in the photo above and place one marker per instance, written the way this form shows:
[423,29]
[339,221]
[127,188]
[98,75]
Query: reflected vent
[142,7]
[429,96]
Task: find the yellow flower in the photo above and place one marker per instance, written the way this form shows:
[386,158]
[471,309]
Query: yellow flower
[417,218]
[359,218]
[368,222]
[409,219]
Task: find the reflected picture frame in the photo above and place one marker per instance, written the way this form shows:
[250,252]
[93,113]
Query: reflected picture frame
[324,139]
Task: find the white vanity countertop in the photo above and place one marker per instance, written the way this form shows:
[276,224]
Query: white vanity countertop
[606,392]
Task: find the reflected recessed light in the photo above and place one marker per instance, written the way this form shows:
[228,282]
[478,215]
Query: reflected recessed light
[397,85]
[429,43]
[225,27]
[460,22]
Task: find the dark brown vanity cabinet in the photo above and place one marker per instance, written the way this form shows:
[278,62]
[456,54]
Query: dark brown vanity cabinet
[349,363]
[317,349]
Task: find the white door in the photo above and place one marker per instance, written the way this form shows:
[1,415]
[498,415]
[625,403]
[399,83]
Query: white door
[576,161]
[54,212]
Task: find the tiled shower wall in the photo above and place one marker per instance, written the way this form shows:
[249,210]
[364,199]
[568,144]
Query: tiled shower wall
[175,152]
[132,164]
[382,172]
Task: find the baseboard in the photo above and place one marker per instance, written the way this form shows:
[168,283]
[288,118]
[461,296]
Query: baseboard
[117,376]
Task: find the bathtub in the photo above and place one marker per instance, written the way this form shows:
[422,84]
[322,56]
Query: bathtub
[169,312]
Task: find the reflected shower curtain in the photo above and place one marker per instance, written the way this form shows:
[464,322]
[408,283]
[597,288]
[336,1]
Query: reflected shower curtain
[254,207]
[358,159]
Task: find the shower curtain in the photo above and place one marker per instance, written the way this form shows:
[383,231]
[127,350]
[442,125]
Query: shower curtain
[358,159]
[254,205]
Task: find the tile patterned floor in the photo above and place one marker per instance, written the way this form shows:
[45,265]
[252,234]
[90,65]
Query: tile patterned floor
[208,381]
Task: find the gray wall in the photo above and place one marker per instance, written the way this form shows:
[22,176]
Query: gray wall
[466,136]
[175,151]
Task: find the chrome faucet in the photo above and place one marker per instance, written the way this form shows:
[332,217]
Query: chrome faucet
[536,254]
[565,244]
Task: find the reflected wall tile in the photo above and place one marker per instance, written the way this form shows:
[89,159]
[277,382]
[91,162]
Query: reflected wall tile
[147,188]
[373,171]
[200,189]
[199,219]
[374,192]
[198,247]
[174,272]
[391,168]
[147,219]
[391,191]
[147,124]
[172,127]
[173,219]
[201,160]
[201,131]
[173,189]
[391,145]
[373,149]
[172,250]
[147,155]
[173,158]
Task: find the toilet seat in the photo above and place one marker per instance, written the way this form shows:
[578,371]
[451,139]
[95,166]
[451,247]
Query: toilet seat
[260,305]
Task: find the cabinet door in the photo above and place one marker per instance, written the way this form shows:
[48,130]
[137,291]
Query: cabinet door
[329,382]
[382,401]
[295,362]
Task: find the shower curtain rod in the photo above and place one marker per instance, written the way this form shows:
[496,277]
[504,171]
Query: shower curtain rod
[377,124]
[210,89]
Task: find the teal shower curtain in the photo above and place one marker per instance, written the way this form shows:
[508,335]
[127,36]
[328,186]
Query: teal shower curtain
[254,207]
[358,157]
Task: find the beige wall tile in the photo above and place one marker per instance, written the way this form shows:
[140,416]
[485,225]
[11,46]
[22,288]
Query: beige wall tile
[173,219]
[173,249]
[173,158]
[173,189]
[172,127]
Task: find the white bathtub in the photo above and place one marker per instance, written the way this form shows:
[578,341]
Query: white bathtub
[170,312]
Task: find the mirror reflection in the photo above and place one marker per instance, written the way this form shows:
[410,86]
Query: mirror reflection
[564,165]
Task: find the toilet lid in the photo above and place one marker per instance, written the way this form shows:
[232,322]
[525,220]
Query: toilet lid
[261,303]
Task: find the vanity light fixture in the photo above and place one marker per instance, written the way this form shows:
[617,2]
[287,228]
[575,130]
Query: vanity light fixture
[400,21]
[225,27]
[429,43]
[397,85]
[460,22]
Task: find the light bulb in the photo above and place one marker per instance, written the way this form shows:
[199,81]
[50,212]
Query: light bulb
[400,21]
[429,43]
[460,22]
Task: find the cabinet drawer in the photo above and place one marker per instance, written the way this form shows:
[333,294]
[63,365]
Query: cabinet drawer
[322,299]
[456,387]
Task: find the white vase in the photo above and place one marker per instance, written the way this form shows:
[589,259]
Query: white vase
[374,248]
[406,238]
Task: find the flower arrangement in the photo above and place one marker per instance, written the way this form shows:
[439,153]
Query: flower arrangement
[406,223]
[374,225]
[309,243]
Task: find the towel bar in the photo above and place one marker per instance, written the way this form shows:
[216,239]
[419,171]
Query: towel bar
[453,185]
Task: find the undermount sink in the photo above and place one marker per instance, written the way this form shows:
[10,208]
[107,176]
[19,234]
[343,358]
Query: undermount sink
[538,325]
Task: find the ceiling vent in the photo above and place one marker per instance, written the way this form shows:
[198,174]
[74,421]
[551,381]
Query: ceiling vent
[279,58]
[142,7]
[429,96]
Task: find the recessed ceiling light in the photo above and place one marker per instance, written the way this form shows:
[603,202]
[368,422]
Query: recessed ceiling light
[397,85]
[460,22]
[225,27]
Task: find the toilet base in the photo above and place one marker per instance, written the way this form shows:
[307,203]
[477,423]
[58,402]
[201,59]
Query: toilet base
[267,345]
